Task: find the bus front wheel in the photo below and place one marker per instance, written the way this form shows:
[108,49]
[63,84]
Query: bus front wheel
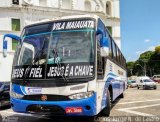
[121,95]
[107,109]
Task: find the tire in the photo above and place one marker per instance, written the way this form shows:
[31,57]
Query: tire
[127,87]
[121,95]
[107,109]
[143,87]
[155,87]
[137,87]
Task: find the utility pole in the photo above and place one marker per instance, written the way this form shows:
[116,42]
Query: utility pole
[131,71]
[145,68]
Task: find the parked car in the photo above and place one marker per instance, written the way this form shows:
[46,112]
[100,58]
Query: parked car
[146,83]
[156,78]
[4,94]
[128,83]
[133,83]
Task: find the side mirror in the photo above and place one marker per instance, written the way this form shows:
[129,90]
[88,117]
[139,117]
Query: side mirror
[4,48]
[104,47]
[12,36]
[99,31]
[104,50]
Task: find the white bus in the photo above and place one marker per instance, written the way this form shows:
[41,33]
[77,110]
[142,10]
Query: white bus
[70,66]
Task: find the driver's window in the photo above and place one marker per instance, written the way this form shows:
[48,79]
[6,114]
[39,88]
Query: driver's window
[26,54]
[100,60]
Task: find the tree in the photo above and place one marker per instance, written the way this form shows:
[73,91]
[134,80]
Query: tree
[143,61]
[157,49]
[148,61]
[146,56]
[130,66]
[155,61]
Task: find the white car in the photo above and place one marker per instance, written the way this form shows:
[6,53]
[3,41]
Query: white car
[133,84]
[146,83]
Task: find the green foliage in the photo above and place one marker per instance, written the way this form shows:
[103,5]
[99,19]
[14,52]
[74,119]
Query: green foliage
[146,56]
[149,60]
[157,49]
[130,66]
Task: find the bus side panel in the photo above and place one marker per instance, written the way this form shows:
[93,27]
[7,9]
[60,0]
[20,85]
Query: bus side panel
[115,79]
[103,85]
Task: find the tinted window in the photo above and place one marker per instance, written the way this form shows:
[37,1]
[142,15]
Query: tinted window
[110,47]
[133,81]
[6,87]
[1,85]
[100,61]
[38,29]
[72,46]
[148,80]
[114,49]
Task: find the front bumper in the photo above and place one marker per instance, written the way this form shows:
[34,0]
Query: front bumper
[88,106]
[149,86]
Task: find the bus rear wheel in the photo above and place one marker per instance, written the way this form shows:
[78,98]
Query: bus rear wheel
[107,109]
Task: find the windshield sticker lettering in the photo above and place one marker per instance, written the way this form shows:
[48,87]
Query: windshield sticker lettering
[54,71]
[70,71]
[34,72]
[73,25]
[17,73]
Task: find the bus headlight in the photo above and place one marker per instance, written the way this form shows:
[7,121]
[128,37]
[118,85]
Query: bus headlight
[81,95]
[16,95]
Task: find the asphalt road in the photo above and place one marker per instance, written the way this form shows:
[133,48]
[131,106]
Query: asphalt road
[137,106]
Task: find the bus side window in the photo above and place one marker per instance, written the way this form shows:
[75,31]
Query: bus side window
[110,44]
[114,50]
[100,60]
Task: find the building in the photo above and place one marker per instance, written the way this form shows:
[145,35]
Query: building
[15,14]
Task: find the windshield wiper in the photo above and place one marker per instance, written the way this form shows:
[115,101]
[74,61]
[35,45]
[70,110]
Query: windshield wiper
[59,64]
[31,65]
[35,58]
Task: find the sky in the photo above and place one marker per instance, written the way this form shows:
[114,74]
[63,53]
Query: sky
[140,27]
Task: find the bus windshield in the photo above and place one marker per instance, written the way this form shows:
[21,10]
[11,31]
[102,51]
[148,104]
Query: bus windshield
[68,52]
[71,46]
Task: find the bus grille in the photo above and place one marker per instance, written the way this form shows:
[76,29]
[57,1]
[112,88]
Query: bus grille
[46,110]
[49,97]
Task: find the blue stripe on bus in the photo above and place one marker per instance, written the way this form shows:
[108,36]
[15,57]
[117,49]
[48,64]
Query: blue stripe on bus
[112,74]
[17,89]
[104,97]
[111,77]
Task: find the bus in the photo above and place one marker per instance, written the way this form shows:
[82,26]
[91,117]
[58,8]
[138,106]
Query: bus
[68,66]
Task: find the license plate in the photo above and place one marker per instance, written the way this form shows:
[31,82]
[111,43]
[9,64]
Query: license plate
[70,110]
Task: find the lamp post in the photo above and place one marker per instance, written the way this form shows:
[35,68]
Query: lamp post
[131,71]
[144,68]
